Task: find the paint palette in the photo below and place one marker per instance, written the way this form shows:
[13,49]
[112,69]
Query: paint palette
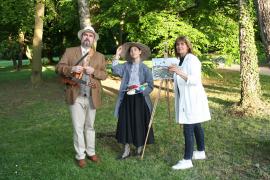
[136,89]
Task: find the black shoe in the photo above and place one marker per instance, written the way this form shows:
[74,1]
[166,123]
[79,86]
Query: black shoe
[122,158]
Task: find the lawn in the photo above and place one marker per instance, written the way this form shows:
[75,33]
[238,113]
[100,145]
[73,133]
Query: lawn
[36,135]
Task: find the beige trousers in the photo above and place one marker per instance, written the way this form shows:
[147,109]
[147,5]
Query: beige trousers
[83,118]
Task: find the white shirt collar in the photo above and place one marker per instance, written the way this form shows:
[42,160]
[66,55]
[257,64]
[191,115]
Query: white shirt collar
[84,50]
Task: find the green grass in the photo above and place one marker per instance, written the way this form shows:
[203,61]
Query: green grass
[25,62]
[36,136]
[9,63]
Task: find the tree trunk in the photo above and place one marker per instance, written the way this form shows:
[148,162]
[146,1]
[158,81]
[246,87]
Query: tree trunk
[37,44]
[249,71]
[14,62]
[263,9]
[84,13]
[22,50]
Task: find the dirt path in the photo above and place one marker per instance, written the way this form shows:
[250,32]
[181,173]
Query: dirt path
[236,67]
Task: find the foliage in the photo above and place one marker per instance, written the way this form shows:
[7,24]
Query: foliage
[60,24]
[209,67]
[16,17]
[161,29]
[211,24]
[224,37]
[9,49]
[218,20]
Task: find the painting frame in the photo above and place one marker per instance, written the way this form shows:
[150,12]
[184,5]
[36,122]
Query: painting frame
[160,67]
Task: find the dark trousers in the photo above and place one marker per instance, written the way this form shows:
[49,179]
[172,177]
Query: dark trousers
[189,131]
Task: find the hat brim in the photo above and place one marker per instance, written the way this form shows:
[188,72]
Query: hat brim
[87,30]
[146,52]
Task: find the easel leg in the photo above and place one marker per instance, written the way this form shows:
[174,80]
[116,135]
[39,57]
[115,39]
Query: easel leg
[168,99]
[152,117]
[172,86]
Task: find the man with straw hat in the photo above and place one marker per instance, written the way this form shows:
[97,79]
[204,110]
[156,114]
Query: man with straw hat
[84,98]
[133,110]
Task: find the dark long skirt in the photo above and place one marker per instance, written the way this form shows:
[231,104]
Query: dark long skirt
[134,117]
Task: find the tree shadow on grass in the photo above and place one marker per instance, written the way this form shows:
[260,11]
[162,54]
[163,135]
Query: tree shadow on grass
[105,134]
[221,101]
[222,89]
[266,95]
[264,149]
[108,140]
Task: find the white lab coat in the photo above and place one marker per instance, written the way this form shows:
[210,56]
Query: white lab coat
[191,104]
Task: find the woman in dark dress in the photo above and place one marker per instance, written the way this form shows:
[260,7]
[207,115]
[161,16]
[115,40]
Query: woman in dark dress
[133,108]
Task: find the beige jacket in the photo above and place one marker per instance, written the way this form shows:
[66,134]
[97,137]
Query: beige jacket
[97,61]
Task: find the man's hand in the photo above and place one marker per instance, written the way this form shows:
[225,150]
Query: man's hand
[89,70]
[76,69]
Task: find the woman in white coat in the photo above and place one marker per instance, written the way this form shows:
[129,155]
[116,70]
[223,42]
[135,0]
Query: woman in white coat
[191,104]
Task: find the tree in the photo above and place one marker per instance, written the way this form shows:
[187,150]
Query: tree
[161,29]
[15,17]
[249,72]
[37,44]
[15,29]
[84,13]
[218,21]
[120,21]
[263,8]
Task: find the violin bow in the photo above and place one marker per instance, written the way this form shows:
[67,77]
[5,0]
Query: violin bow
[78,62]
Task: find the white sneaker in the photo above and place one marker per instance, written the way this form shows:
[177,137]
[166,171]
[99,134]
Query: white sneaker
[199,155]
[183,164]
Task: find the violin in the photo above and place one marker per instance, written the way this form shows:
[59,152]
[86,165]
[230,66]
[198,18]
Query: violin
[76,78]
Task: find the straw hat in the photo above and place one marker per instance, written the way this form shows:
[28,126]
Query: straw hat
[146,52]
[88,29]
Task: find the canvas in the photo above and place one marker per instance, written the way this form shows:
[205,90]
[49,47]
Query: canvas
[160,68]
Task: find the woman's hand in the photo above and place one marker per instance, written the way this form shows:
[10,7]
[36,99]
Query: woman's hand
[178,71]
[118,52]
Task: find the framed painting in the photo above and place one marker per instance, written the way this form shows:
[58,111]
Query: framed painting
[160,68]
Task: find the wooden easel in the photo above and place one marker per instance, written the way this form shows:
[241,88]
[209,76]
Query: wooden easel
[167,81]
[167,91]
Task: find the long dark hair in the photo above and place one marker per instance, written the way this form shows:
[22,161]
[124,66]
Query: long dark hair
[186,41]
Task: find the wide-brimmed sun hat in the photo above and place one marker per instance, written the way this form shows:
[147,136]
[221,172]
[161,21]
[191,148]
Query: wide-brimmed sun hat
[88,29]
[146,52]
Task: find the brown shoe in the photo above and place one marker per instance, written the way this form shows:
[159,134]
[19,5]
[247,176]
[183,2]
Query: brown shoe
[94,158]
[81,163]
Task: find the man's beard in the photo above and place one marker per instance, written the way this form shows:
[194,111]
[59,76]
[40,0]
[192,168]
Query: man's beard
[86,43]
